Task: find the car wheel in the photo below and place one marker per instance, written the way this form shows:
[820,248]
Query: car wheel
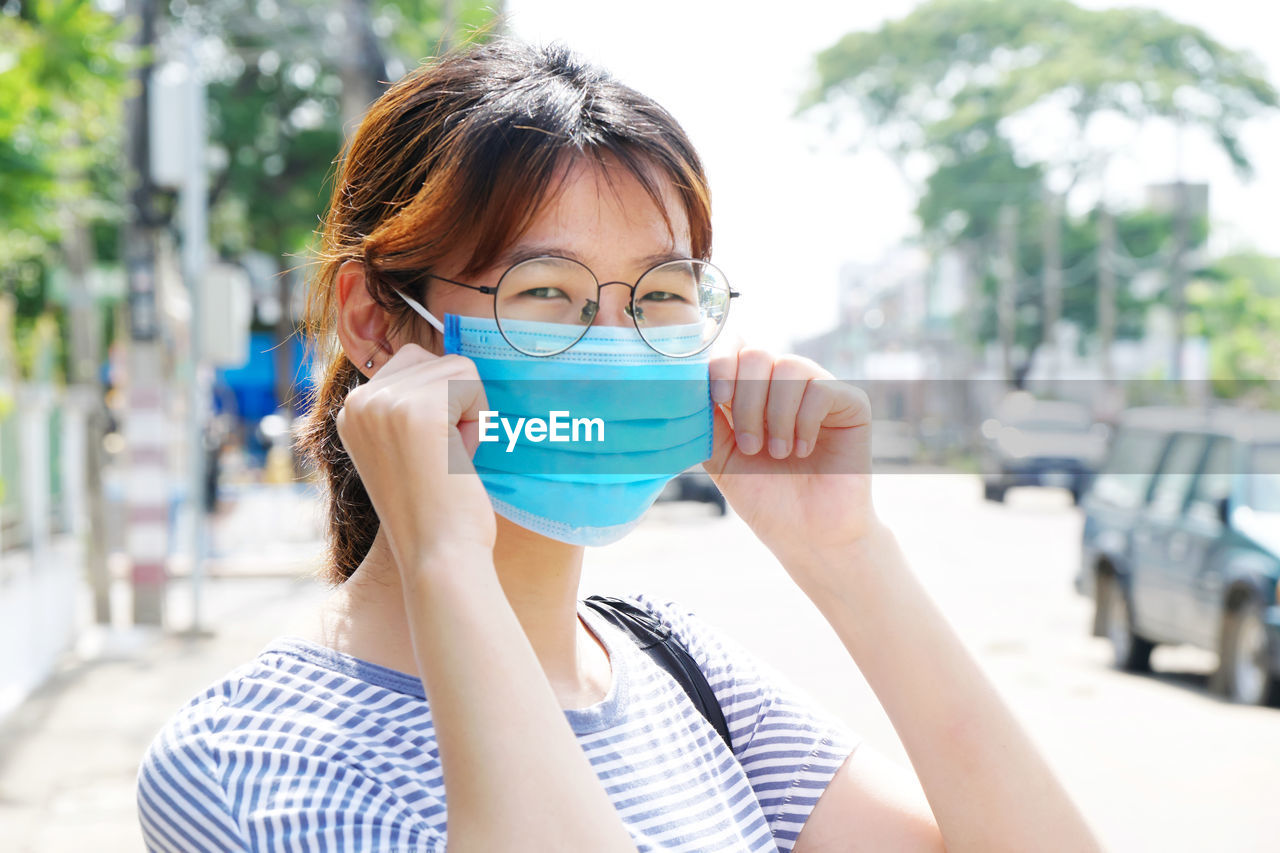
[1130,652]
[993,492]
[1244,658]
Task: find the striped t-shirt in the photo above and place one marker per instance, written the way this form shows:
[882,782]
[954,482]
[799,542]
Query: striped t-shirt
[309,749]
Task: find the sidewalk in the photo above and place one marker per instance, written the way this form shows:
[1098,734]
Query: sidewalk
[69,755]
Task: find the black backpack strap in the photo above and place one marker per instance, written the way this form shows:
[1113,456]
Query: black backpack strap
[667,652]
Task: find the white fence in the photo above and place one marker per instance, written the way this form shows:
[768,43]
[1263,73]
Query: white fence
[42,442]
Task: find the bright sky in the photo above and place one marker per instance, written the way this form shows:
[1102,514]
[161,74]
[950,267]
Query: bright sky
[789,207]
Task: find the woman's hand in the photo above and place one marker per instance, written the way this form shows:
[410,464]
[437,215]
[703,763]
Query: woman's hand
[792,453]
[412,440]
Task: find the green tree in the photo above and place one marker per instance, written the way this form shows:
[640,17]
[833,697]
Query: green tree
[950,88]
[280,97]
[1235,305]
[62,81]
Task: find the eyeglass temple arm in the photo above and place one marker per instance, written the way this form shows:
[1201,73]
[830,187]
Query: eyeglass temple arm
[427,315]
[423,312]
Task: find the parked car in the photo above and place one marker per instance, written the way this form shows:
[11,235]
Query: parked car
[1034,442]
[1181,543]
[694,484]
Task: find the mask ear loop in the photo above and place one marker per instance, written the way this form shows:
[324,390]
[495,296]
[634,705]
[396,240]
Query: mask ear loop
[422,312]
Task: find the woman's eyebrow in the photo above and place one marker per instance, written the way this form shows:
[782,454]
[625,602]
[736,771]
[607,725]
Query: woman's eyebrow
[523,253]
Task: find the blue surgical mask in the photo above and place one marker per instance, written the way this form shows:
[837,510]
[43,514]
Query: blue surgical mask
[654,411]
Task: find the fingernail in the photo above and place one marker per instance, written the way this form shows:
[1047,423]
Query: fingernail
[749,444]
[721,390]
[777,448]
[802,449]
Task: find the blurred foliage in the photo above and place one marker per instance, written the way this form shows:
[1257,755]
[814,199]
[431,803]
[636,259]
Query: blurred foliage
[275,72]
[62,83]
[63,79]
[946,78]
[1142,247]
[1235,304]
[952,88]
[275,81]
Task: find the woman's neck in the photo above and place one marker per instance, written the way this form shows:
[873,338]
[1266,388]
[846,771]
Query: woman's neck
[365,617]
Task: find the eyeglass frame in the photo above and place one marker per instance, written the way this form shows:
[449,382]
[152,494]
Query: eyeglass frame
[492,290]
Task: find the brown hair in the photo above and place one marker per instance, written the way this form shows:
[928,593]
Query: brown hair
[459,155]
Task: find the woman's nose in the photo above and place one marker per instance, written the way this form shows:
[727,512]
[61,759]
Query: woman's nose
[615,304]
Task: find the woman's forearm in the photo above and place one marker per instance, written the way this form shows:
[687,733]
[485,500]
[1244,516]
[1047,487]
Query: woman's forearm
[514,773]
[988,786]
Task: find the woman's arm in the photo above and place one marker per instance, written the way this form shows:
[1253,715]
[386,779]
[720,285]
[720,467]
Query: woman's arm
[792,455]
[515,775]
[987,785]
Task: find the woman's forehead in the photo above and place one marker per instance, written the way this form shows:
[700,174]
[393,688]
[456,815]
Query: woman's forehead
[602,209]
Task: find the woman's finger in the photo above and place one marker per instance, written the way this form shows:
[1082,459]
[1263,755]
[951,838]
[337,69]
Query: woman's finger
[723,369]
[750,393]
[787,382]
[466,399]
[814,407]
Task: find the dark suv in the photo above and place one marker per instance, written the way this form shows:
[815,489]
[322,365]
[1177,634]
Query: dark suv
[1034,442]
[1182,542]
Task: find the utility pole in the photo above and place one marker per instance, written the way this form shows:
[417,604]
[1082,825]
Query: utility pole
[1178,274]
[86,396]
[1106,291]
[1052,273]
[1006,297]
[147,430]
[969,316]
[195,237]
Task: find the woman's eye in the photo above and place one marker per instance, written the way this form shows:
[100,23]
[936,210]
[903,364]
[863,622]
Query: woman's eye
[663,296]
[544,293]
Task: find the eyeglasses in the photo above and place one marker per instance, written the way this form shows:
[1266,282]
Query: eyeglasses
[678,307]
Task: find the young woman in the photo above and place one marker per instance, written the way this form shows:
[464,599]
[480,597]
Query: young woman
[506,215]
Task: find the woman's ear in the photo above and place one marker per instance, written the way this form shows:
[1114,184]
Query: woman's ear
[363,325]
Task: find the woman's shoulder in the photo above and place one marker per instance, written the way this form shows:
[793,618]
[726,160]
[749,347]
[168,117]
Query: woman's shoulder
[291,730]
[205,714]
[181,795]
[291,679]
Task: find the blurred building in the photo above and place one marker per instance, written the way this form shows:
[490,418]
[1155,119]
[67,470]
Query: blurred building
[904,323]
[896,339]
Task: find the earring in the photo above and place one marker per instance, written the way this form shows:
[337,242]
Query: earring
[368,365]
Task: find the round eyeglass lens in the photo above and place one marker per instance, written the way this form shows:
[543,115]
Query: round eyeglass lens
[545,290]
[681,306]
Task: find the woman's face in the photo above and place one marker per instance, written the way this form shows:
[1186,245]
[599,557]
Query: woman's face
[614,228]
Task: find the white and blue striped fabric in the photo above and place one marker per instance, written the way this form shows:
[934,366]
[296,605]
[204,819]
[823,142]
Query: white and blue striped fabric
[308,749]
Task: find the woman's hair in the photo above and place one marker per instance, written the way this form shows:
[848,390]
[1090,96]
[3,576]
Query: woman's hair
[458,156]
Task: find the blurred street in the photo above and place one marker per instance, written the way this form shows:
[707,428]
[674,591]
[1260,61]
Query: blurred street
[1037,236]
[1155,762]
[69,755]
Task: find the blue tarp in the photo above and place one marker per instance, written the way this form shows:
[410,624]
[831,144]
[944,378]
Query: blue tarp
[252,386]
